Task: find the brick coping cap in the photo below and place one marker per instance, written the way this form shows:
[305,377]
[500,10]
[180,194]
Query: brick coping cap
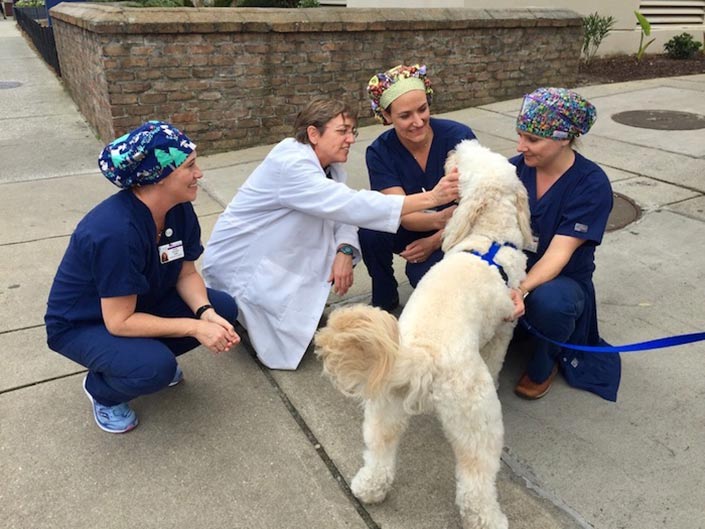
[102,18]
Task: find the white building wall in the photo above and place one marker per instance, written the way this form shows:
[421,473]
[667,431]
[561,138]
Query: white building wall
[677,16]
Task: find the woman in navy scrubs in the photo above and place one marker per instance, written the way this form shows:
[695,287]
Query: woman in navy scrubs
[405,160]
[127,298]
[570,199]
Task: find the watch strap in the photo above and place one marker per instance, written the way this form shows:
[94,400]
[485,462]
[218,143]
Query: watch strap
[345,249]
[201,310]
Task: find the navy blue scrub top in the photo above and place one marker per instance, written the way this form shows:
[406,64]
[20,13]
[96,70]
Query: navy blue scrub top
[113,252]
[390,164]
[577,205]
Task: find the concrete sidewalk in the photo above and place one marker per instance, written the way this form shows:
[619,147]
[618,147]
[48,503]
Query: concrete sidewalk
[239,446]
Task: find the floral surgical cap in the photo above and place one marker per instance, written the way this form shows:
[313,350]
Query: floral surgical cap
[146,155]
[385,87]
[555,113]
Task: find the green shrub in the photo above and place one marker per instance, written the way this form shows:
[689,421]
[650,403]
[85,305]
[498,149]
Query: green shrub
[682,46]
[267,3]
[159,3]
[595,28]
[30,3]
[309,3]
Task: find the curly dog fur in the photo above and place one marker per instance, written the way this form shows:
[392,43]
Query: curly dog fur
[445,352]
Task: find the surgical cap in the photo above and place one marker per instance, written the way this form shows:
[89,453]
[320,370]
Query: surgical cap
[146,155]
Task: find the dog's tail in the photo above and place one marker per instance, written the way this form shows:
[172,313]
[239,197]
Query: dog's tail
[359,346]
[361,353]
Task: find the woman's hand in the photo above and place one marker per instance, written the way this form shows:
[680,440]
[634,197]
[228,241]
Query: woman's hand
[446,190]
[517,296]
[341,274]
[216,333]
[446,214]
[421,249]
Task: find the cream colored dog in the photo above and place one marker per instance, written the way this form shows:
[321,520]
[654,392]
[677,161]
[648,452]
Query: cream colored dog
[447,348]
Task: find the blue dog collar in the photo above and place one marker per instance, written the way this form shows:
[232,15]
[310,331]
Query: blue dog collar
[489,255]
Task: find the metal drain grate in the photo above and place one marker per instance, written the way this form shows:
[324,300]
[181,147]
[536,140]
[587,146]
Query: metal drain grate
[661,119]
[624,212]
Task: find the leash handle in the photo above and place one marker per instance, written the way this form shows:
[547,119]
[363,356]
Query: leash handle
[659,343]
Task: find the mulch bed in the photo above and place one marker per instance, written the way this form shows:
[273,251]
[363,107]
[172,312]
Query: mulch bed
[625,68]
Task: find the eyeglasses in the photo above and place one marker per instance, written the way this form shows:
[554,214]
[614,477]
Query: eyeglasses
[347,130]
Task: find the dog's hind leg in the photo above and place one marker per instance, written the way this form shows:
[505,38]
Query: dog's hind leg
[472,421]
[495,350]
[385,422]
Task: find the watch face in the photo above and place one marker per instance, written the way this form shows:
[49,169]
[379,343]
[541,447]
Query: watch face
[346,249]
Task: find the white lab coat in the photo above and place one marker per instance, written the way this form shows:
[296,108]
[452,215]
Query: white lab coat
[273,247]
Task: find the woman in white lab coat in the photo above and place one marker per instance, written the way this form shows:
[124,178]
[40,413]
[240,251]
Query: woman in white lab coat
[291,231]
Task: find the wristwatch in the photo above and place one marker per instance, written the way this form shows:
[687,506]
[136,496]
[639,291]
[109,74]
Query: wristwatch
[345,249]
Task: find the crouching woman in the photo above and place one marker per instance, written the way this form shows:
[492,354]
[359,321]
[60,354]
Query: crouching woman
[570,199]
[127,298]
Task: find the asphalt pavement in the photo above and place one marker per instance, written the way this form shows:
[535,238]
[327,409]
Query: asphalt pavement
[239,446]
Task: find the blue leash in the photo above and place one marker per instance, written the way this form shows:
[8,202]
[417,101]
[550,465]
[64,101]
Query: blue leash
[659,343]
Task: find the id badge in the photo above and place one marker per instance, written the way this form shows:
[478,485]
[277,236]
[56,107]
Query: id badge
[171,252]
[534,245]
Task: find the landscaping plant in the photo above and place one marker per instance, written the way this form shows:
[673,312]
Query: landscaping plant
[645,32]
[682,46]
[595,29]
[267,3]
[158,3]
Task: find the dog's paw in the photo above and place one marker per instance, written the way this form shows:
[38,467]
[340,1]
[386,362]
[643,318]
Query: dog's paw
[370,485]
[500,522]
[487,520]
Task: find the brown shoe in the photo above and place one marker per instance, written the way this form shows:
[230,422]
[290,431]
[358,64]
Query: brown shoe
[527,389]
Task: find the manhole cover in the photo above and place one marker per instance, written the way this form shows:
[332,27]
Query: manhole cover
[624,211]
[661,119]
[4,85]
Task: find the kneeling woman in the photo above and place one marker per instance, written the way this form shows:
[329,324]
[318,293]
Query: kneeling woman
[405,160]
[570,200]
[127,298]
[291,231]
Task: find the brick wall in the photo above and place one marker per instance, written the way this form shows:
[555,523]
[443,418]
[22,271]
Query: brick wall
[236,77]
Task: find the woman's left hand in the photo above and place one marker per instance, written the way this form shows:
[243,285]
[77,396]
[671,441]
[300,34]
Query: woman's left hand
[213,317]
[446,190]
[421,249]
[518,299]
[231,336]
[342,273]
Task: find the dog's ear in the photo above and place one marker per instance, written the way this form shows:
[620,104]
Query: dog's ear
[463,219]
[523,214]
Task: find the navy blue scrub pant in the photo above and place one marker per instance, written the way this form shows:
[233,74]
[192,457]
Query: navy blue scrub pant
[378,249]
[121,369]
[553,309]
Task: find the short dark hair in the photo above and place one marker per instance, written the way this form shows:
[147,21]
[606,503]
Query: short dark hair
[319,112]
